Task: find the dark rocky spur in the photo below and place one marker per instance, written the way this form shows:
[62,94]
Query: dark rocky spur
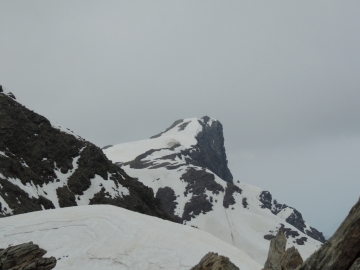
[279,258]
[294,219]
[32,151]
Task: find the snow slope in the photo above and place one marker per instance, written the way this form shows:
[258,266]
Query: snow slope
[108,237]
[240,214]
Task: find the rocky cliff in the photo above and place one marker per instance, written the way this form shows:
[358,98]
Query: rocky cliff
[342,250]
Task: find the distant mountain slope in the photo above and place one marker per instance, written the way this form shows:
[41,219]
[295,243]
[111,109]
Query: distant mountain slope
[184,166]
[106,237]
[43,166]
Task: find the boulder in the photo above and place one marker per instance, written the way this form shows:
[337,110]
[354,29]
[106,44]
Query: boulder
[25,256]
[213,261]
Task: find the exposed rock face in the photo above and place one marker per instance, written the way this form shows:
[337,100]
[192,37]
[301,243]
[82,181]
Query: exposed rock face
[168,199]
[212,153]
[213,261]
[230,190]
[44,167]
[276,252]
[342,250]
[291,259]
[278,258]
[25,256]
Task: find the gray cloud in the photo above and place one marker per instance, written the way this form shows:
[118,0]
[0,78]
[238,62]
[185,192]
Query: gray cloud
[281,76]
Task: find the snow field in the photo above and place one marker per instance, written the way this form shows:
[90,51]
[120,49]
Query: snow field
[108,237]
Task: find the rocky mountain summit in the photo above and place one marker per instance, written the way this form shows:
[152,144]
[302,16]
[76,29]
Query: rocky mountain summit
[43,166]
[186,166]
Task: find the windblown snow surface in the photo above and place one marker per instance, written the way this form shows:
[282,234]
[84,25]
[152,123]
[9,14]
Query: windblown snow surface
[242,224]
[107,237]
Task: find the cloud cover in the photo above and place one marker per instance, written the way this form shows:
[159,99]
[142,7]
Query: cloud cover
[281,76]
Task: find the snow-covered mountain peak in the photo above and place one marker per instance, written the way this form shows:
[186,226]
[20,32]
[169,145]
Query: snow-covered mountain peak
[196,141]
[189,128]
[186,167]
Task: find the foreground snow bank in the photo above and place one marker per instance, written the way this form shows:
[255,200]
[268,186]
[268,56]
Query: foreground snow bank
[108,237]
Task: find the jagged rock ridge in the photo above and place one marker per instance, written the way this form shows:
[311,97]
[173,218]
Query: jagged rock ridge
[295,218]
[44,167]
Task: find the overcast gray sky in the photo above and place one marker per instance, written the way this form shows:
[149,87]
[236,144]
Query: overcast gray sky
[281,76]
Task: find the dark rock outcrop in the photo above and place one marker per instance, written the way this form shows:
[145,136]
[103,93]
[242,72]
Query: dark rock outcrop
[278,258]
[33,153]
[198,182]
[211,147]
[167,198]
[230,190]
[213,261]
[342,250]
[27,256]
